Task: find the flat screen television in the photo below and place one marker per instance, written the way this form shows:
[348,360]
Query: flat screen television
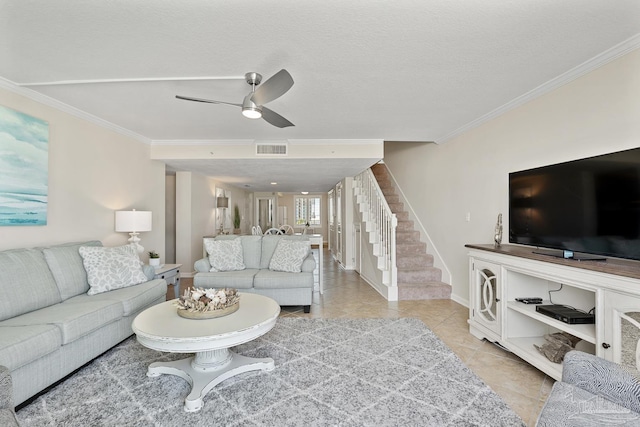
[589,206]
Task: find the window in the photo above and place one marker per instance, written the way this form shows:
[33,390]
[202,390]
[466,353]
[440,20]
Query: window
[307,210]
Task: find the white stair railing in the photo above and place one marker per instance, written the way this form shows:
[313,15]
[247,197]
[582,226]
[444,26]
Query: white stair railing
[380,223]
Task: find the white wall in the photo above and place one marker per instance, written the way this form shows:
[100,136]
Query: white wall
[196,215]
[170,220]
[595,114]
[93,171]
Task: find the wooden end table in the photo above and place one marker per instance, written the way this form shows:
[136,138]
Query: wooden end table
[171,274]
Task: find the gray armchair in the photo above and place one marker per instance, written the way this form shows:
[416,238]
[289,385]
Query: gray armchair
[593,392]
[7,414]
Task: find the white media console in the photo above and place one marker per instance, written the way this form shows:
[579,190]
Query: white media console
[500,274]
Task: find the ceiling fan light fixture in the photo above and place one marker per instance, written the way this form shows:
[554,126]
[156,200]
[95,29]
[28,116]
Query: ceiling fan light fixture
[249,109]
[251,113]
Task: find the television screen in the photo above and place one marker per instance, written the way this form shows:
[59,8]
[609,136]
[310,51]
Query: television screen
[590,205]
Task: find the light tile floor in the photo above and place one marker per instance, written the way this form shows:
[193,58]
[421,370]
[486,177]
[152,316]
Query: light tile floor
[522,386]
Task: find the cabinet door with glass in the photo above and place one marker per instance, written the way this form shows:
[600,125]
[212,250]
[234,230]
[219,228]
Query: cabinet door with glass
[621,340]
[485,294]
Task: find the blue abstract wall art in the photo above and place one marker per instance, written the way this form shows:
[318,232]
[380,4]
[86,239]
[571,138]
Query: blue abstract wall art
[24,168]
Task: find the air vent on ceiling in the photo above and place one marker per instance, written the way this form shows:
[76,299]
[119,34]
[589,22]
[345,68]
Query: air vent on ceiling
[271,148]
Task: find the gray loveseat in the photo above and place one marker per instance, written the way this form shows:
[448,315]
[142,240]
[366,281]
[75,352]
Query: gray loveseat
[286,288]
[49,326]
[593,392]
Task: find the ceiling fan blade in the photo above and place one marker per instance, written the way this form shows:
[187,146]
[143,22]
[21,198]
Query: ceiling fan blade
[275,119]
[208,101]
[273,88]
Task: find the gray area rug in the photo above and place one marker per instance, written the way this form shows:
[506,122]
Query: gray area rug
[329,372]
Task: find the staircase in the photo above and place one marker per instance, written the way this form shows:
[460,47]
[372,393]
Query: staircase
[417,278]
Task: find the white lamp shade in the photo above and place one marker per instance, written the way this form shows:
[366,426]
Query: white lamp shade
[133,221]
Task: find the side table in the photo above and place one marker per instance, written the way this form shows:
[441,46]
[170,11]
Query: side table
[170,273]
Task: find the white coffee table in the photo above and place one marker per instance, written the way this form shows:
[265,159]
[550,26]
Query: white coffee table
[160,328]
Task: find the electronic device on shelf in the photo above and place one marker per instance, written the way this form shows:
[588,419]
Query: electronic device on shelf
[529,300]
[566,314]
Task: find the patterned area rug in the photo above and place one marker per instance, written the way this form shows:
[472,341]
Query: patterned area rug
[329,372]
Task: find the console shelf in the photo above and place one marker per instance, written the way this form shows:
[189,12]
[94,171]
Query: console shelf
[585,332]
[499,275]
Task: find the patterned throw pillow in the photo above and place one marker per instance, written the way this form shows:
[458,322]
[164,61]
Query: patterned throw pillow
[111,268]
[225,255]
[289,255]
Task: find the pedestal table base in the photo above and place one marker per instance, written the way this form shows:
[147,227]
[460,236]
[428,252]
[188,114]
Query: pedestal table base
[207,369]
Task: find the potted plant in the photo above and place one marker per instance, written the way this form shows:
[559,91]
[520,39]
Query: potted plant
[236,219]
[154,259]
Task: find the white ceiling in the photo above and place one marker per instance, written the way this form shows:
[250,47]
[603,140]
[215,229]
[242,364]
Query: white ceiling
[412,70]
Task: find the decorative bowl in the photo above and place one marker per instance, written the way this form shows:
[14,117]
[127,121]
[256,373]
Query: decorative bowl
[211,314]
[200,303]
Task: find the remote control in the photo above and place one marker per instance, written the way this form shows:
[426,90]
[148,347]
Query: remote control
[530,300]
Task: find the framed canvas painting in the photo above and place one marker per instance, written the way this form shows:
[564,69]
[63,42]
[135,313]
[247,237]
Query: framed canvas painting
[24,169]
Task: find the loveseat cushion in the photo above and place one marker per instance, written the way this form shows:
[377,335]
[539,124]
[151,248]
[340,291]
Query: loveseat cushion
[242,279]
[251,248]
[73,320]
[289,255]
[31,286]
[66,266]
[268,279]
[133,298]
[269,244]
[21,345]
[225,254]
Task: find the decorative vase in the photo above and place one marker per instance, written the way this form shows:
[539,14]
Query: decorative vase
[497,236]
[154,262]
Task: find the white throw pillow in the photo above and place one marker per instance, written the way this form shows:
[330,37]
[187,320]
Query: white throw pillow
[111,268]
[289,255]
[225,255]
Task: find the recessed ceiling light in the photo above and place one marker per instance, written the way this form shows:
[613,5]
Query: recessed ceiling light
[304,192]
[274,183]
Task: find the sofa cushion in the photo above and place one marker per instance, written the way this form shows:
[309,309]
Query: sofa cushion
[73,320]
[225,255]
[226,279]
[132,298]
[31,285]
[111,268]
[269,279]
[66,266]
[21,345]
[289,255]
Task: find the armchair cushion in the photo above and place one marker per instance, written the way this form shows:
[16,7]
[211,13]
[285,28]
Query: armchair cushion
[593,392]
[599,376]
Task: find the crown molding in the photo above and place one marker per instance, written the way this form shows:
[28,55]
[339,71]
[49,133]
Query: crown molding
[254,141]
[48,101]
[592,64]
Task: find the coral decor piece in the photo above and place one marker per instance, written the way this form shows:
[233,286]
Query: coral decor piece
[200,303]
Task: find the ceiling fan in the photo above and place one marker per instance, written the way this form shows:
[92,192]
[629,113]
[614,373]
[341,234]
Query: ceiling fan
[253,104]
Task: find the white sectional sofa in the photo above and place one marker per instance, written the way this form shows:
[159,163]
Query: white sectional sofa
[287,288]
[49,325]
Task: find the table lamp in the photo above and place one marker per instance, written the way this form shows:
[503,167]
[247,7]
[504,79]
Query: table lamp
[133,222]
